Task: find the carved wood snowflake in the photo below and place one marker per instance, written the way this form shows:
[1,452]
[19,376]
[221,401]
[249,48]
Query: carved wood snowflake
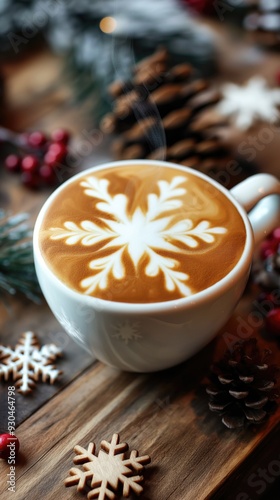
[28,362]
[251,102]
[127,331]
[106,472]
[141,233]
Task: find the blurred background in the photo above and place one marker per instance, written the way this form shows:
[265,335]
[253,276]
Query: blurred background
[58,59]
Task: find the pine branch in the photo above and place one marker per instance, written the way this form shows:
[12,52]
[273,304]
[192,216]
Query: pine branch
[17,271]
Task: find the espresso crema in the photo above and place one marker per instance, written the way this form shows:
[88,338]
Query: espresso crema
[141,234]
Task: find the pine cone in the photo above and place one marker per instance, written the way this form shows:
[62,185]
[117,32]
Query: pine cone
[160,114]
[266,273]
[264,23]
[243,386]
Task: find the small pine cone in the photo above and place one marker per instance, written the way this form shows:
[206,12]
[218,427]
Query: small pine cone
[242,386]
[165,113]
[266,273]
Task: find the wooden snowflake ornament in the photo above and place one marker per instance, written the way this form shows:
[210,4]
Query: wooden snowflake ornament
[28,362]
[105,472]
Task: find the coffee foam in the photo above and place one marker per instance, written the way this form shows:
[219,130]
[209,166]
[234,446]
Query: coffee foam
[141,234]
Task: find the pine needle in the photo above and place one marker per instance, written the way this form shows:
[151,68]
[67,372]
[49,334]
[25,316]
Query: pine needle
[17,271]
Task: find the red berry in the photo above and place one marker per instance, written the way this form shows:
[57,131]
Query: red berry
[9,446]
[60,135]
[55,154]
[272,321]
[36,139]
[47,174]
[30,179]
[58,148]
[278,78]
[276,234]
[13,163]
[268,247]
[200,5]
[50,159]
[29,163]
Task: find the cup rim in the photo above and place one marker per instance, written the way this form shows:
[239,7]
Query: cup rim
[212,292]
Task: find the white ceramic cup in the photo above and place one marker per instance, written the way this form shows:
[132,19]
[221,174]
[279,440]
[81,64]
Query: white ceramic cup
[160,335]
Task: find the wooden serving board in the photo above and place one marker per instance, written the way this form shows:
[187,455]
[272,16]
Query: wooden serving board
[194,457]
[165,415]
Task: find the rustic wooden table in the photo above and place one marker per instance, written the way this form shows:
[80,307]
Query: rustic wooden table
[164,414]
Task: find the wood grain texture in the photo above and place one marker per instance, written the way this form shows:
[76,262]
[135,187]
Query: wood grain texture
[24,316]
[164,415]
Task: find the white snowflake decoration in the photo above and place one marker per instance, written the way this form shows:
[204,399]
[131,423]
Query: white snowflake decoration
[27,362]
[251,102]
[142,234]
[104,472]
[127,331]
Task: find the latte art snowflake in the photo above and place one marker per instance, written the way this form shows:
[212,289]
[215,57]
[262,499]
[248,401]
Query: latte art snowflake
[141,234]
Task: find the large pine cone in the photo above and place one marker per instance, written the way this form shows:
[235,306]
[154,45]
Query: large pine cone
[243,386]
[160,114]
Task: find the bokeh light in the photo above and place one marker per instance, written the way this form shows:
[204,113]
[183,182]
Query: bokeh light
[108,24]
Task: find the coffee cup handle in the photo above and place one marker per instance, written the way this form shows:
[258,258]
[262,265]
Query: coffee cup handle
[260,196]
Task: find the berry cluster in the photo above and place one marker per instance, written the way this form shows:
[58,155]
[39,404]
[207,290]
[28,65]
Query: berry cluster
[38,156]
[267,275]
